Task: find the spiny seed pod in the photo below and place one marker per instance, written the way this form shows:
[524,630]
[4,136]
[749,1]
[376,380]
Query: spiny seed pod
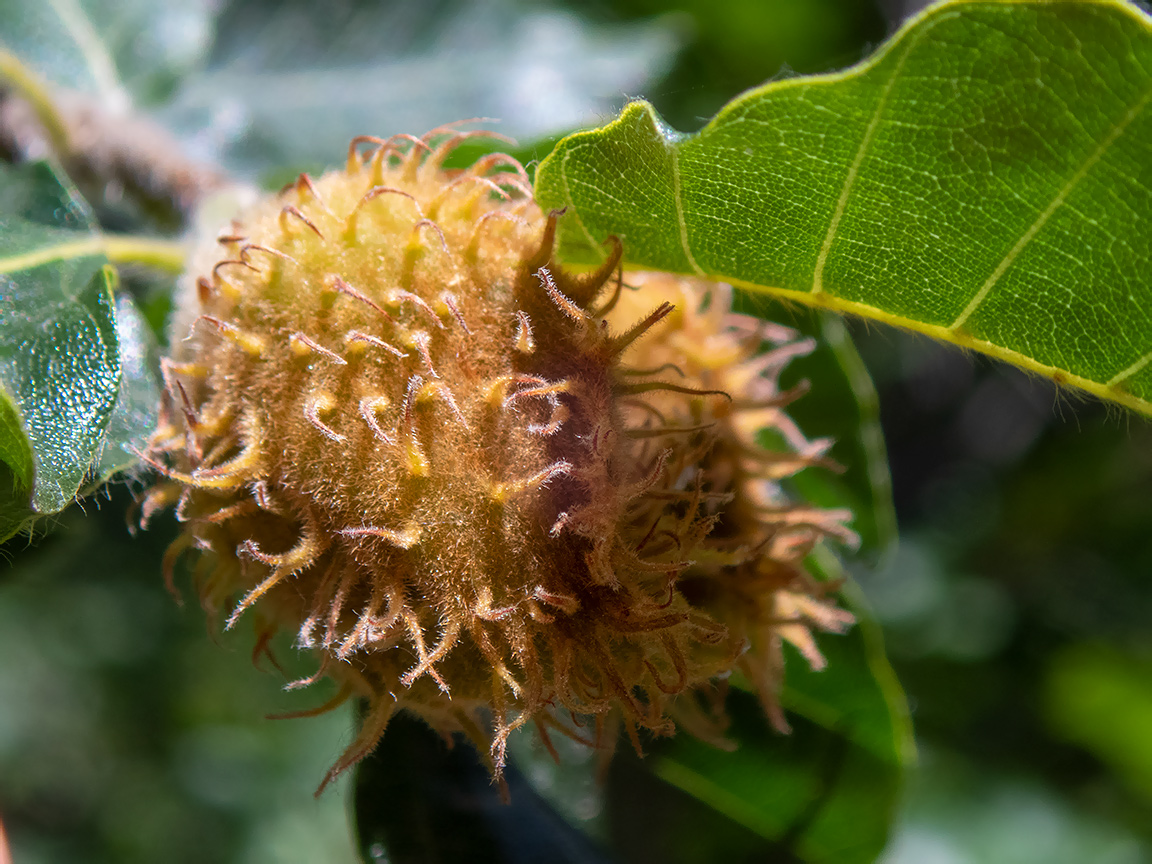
[483,489]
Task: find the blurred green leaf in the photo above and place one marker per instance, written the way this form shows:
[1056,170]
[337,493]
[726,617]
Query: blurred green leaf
[845,407]
[739,44]
[1101,699]
[37,193]
[112,48]
[573,785]
[857,694]
[984,179]
[291,83]
[827,793]
[16,470]
[127,736]
[59,363]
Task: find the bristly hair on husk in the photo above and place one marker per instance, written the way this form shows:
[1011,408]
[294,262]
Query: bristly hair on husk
[482,488]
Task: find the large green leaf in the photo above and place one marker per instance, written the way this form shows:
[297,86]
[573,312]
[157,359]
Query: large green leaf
[59,361]
[986,178]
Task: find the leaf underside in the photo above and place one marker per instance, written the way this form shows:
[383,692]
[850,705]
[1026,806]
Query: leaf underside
[77,375]
[985,178]
[59,361]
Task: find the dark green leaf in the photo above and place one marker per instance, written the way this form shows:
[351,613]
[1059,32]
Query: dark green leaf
[15,512]
[572,785]
[857,694]
[807,796]
[1101,698]
[739,44]
[14,449]
[986,179]
[417,802]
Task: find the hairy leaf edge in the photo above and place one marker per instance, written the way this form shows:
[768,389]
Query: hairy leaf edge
[1113,393]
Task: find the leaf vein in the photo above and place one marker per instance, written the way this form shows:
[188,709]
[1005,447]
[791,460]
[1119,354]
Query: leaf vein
[571,202]
[1061,196]
[96,55]
[678,200]
[854,168]
[60,252]
[1125,374]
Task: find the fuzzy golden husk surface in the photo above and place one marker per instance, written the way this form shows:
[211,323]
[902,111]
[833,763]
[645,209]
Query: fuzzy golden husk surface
[481,488]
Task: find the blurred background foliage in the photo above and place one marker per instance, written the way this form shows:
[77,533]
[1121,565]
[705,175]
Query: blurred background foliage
[1015,610]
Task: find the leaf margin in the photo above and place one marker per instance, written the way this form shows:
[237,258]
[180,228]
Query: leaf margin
[588,250]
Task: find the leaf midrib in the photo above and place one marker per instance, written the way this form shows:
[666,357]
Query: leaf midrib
[834,303]
[858,160]
[97,58]
[48,254]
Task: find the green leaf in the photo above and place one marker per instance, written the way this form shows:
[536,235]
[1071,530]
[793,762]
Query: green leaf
[109,47]
[857,694]
[842,405]
[59,363]
[16,470]
[1101,698]
[827,793]
[37,193]
[15,514]
[58,359]
[14,449]
[985,178]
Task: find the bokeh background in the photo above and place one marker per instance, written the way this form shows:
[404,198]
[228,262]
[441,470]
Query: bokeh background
[1016,608]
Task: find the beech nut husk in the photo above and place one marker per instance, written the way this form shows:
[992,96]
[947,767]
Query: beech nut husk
[480,487]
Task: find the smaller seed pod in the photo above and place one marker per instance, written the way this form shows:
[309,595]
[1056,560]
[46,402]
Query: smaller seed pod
[481,488]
